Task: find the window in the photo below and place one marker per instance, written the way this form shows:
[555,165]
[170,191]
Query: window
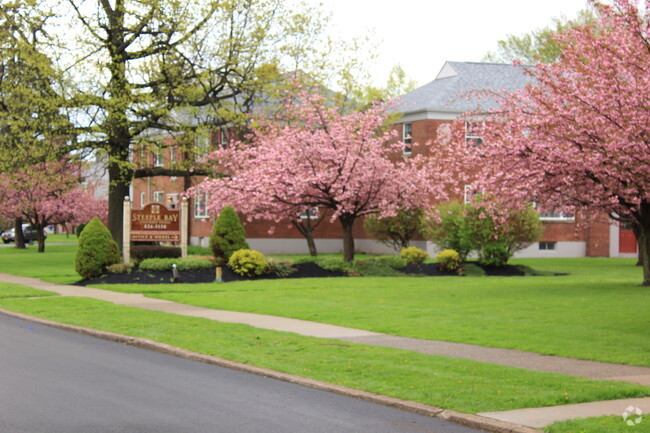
[200,204]
[556,216]
[172,201]
[470,194]
[407,132]
[158,157]
[547,246]
[201,144]
[172,155]
[143,199]
[223,137]
[473,131]
[311,214]
[158,196]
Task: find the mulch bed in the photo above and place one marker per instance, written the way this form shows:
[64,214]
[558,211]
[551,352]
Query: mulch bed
[303,270]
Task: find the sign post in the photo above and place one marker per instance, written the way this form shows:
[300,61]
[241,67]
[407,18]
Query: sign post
[126,231]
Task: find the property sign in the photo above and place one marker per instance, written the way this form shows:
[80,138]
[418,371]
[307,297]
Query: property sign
[155,223]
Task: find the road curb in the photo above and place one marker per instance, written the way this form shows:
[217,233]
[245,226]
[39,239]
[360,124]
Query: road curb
[469,420]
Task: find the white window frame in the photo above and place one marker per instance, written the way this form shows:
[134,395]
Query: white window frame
[172,154]
[159,196]
[470,132]
[201,205]
[547,245]
[556,216]
[201,144]
[143,199]
[158,159]
[407,138]
[172,200]
[223,138]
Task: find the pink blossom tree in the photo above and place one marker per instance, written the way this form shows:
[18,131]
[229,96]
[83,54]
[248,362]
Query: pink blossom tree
[349,165]
[579,137]
[48,193]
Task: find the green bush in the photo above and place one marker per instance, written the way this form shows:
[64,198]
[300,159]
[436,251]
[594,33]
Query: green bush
[281,268]
[451,231]
[397,231]
[394,262]
[334,264]
[79,229]
[142,252]
[186,264]
[119,268]
[248,263]
[414,255]
[228,235]
[96,250]
[448,260]
[373,268]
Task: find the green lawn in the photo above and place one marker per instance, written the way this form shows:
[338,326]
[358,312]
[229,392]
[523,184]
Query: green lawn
[605,424]
[598,312]
[56,264]
[456,384]
[9,291]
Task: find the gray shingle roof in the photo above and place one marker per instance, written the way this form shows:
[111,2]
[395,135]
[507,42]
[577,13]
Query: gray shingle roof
[447,92]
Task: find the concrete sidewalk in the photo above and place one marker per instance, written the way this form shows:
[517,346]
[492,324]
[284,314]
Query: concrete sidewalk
[535,417]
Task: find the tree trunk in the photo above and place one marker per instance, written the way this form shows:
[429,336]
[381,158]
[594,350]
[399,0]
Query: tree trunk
[636,228]
[644,239]
[40,237]
[311,244]
[19,237]
[347,222]
[119,183]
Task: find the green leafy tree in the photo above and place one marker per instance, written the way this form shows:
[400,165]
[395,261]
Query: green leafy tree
[538,46]
[96,250]
[397,231]
[228,235]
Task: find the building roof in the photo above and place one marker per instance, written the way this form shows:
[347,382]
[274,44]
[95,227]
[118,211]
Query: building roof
[449,93]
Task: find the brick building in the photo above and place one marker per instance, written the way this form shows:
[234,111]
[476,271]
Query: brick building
[421,112]
[448,96]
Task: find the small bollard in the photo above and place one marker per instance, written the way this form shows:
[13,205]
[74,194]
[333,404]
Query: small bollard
[175,272]
[219,273]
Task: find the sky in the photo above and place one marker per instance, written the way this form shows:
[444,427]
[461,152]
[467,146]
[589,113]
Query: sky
[421,35]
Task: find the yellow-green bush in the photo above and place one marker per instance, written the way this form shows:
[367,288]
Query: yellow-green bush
[248,263]
[448,260]
[413,255]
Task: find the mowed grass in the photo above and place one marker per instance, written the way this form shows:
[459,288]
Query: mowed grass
[56,264]
[598,312]
[605,424]
[9,291]
[456,384]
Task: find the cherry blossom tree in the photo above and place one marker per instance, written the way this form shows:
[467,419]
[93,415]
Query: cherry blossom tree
[48,193]
[349,165]
[579,138]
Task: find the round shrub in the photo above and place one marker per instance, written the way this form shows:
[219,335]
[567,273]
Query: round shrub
[96,250]
[228,235]
[448,260]
[413,255]
[248,263]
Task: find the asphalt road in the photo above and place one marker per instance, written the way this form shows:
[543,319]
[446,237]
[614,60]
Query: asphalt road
[54,381]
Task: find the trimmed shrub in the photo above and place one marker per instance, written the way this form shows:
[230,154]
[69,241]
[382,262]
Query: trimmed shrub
[333,264]
[414,255]
[79,229]
[373,268]
[248,263]
[228,235]
[394,262]
[186,264]
[119,268]
[281,268]
[142,252]
[96,250]
[448,260]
